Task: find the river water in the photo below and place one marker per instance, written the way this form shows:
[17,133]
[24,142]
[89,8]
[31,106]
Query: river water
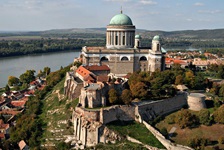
[15,66]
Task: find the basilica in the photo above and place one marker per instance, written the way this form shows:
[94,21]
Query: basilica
[123,52]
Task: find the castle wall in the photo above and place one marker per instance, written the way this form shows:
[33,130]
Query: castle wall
[148,111]
[168,144]
[72,88]
[124,112]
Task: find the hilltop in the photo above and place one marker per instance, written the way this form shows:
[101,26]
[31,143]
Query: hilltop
[205,34]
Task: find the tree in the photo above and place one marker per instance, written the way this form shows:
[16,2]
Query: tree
[113,96]
[218,115]
[13,80]
[221,72]
[179,79]
[221,91]
[126,96]
[7,88]
[138,90]
[185,119]
[47,70]
[27,77]
[204,117]
[189,79]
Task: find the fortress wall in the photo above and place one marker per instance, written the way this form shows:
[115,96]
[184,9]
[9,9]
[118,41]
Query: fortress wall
[122,112]
[168,144]
[90,115]
[152,109]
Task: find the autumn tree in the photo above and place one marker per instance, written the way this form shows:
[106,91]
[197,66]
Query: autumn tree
[126,96]
[218,115]
[138,90]
[189,79]
[13,81]
[179,79]
[113,96]
[185,119]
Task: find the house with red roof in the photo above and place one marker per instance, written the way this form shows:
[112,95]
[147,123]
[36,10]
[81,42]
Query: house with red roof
[169,62]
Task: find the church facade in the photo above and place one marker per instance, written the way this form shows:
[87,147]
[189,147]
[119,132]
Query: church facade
[123,52]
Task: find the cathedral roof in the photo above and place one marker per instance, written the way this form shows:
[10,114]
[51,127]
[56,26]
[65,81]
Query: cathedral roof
[156,38]
[121,19]
[138,36]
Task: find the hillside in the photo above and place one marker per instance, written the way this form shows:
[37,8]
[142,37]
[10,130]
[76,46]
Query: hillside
[206,34]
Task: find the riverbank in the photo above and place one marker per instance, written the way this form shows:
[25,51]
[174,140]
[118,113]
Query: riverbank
[17,65]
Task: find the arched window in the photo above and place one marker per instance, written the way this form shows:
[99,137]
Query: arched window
[143,58]
[124,58]
[158,47]
[104,59]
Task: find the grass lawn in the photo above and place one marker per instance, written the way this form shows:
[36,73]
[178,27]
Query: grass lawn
[137,131]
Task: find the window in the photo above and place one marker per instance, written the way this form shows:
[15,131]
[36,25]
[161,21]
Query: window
[124,58]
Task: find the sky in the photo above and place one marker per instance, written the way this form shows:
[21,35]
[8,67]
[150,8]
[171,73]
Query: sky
[166,15]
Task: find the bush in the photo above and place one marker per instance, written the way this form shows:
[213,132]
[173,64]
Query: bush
[164,132]
[186,119]
[218,115]
[221,140]
[204,117]
[197,142]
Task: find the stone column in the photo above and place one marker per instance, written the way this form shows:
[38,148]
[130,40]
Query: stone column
[79,129]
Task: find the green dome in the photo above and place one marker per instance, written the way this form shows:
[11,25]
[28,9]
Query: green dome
[137,36]
[156,38]
[121,19]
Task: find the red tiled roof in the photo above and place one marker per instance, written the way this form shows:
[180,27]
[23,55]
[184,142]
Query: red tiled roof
[103,78]
[175,61]
[4,126]
[18,103]
[2,135]
[83,71]
[97,68]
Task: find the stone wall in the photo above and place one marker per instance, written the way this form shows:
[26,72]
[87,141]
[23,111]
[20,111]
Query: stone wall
[72,88]
[149,110]
[196,101]
[89,124]
[168,144]
[124,112]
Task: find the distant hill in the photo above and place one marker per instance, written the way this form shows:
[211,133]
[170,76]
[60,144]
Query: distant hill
[206,34]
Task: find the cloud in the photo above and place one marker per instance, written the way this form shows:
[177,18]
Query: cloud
[210,11]
[147,2]
[198,4]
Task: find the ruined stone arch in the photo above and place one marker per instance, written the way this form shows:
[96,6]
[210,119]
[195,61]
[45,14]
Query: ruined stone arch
[124,58]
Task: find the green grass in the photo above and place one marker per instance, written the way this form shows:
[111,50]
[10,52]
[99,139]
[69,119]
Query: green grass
[122,145]
[137,131]
[55,110]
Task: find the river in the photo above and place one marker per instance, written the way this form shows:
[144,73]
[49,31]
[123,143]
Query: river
[15,66]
